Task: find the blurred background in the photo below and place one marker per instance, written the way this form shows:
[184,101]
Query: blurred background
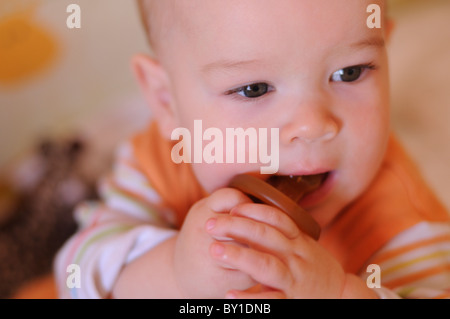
[55,80]
[68,96]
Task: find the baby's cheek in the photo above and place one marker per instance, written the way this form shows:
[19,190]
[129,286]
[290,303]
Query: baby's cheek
[211,176]
[359,175]
[352,187]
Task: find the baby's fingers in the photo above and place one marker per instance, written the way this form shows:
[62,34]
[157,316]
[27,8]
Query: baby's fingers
[262,267]
[269,215]
[225,199]
[250,233]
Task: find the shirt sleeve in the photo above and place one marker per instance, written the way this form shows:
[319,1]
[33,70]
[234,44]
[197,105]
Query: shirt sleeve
[415,264]
[127,222]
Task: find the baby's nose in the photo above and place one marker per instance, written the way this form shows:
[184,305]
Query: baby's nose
[309,125]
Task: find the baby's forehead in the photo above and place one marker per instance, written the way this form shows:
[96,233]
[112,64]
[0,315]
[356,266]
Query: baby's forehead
[159,16]
[188,16]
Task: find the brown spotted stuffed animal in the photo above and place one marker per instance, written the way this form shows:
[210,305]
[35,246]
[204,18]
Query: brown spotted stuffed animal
[36,211]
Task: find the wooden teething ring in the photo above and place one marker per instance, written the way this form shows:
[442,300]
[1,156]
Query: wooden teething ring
[267,194]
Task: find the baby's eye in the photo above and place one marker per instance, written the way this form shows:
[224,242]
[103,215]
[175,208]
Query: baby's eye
[349,74]
[253,90]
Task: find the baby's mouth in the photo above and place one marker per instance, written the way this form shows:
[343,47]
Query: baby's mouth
[297,187]
[285,193]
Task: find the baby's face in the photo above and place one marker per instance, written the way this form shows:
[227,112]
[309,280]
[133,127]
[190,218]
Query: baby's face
[312,69]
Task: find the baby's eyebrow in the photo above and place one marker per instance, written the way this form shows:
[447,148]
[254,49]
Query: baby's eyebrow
[225,65]
[374,41]
[229,65]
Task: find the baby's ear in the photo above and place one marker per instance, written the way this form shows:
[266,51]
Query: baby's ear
[155,85]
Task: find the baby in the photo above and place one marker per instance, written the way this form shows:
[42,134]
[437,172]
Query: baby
[318,73]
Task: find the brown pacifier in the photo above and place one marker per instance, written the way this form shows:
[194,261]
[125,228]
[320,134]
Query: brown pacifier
[283,192]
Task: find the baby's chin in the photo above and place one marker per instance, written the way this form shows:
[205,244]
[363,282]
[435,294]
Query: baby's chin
[339,199]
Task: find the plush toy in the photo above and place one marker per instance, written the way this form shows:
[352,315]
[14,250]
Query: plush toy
[37,199]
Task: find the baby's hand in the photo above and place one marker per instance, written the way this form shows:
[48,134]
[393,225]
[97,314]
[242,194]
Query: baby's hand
[275,253]
[196,273]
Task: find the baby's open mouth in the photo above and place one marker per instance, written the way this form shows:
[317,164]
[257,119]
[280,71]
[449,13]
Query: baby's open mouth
[296,187]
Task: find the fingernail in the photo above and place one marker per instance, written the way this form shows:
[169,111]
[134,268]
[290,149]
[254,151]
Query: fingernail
[217,250]
[210,224]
